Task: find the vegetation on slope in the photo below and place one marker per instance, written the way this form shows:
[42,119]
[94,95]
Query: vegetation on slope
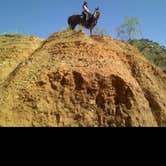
[152,51]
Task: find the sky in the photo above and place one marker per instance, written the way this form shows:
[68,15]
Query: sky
[44,17]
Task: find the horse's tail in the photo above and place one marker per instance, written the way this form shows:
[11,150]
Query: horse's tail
[69,22]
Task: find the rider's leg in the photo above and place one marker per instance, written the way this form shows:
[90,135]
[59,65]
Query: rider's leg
[84,15]
[87,16]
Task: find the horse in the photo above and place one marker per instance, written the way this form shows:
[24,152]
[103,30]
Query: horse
[75,20]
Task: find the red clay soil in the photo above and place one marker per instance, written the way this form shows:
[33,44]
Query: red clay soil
[77,80]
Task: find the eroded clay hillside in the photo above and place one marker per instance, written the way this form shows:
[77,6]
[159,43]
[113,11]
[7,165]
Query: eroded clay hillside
[77,80]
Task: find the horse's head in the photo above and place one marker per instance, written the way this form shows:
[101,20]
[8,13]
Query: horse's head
[96,14]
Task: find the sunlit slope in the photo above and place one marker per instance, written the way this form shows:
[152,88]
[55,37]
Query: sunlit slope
[77,80]
[15,49]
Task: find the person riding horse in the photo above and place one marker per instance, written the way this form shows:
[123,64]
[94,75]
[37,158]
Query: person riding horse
[86,12]
[89,20]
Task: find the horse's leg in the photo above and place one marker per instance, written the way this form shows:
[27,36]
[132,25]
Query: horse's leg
[91,31]
[74,26]
[70,26]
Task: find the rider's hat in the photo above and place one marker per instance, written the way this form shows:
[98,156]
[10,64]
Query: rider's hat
[85,3]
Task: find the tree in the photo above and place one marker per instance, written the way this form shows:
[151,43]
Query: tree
[130,29]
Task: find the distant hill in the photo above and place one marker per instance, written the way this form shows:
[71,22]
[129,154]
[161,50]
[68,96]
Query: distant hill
[152,51]
[75,80]
[15,48]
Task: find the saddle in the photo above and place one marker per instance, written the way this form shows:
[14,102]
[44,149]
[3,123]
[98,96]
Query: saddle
[84,17]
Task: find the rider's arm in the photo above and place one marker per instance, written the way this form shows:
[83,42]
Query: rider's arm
[86,9]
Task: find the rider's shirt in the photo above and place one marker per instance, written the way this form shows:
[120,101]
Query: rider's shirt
[85,8]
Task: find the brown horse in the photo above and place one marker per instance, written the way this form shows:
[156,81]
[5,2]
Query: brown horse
[75,20]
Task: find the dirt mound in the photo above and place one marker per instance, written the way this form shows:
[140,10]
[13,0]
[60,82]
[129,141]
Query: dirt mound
[15,49]
[76,80]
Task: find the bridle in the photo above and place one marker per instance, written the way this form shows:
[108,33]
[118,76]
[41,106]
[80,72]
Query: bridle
[96,14]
